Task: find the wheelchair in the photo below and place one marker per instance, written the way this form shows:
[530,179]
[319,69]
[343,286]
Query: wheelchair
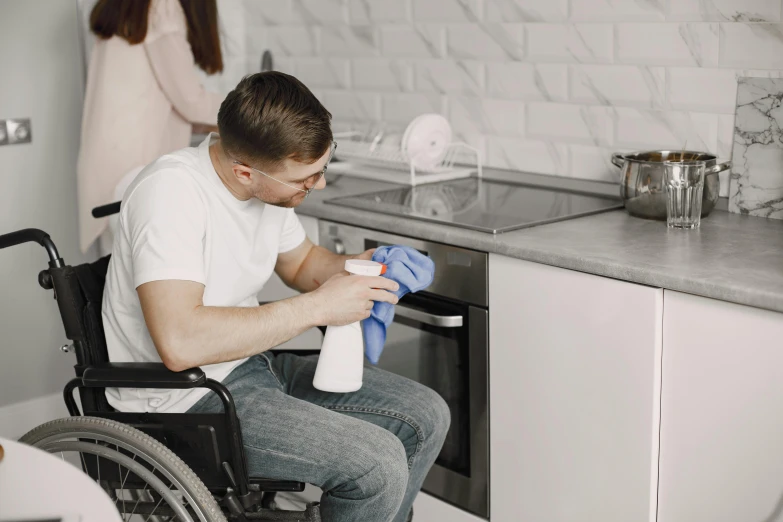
[155,466]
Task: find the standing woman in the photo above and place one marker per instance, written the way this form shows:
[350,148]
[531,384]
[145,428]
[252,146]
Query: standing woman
[143,94]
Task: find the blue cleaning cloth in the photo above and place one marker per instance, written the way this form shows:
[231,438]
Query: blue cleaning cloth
[413,271]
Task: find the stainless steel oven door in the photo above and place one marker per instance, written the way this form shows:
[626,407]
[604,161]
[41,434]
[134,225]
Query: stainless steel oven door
[443,345]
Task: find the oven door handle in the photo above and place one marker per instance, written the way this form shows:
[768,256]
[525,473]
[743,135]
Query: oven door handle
[443,321]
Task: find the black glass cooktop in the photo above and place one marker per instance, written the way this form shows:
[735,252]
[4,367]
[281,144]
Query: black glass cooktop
[487,206]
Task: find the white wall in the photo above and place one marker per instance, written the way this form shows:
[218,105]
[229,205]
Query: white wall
[41,79]
[549,86]
[236,62]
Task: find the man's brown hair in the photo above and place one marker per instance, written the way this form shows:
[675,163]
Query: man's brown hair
[271,116]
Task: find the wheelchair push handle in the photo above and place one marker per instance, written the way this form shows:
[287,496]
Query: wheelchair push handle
[106,210]
[23,236]
[42,238]
[33,235]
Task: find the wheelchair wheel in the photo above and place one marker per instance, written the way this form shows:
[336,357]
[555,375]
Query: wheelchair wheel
[145,479]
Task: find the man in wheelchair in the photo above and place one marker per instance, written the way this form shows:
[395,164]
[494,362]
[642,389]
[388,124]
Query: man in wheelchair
[200,232]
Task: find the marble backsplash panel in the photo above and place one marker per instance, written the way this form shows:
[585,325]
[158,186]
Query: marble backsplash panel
[757,175]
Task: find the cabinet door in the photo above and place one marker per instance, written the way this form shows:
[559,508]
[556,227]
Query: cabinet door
[275,290]
[427,508]
[722,412]
[574,395]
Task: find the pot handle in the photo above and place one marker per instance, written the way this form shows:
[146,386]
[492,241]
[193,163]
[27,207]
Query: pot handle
[618,159]
[720,167]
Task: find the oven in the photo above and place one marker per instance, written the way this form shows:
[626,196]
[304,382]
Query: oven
[439,338]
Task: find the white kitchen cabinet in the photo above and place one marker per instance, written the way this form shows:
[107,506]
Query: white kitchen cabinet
[574,395]
[275,290]
[722,407]
[427,508]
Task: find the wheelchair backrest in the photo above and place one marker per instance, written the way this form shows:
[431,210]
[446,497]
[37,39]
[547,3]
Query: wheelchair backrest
[79,297]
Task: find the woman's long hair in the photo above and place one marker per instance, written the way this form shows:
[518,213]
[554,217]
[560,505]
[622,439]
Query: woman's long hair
[128,19]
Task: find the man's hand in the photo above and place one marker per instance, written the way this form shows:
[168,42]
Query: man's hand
[345,299]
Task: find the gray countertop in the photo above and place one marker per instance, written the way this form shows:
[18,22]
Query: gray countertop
[731,257]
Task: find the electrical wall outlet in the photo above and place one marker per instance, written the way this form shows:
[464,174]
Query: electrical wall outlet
[3,133]
[19,131]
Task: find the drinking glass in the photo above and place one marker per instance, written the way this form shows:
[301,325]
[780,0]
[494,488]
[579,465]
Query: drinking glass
[684,182]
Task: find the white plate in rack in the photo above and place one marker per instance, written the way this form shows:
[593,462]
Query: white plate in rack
[426,140]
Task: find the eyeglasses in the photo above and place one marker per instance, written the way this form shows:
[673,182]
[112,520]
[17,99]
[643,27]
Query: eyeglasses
[309,184]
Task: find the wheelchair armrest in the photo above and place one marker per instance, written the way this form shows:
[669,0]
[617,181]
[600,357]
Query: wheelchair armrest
[141,375]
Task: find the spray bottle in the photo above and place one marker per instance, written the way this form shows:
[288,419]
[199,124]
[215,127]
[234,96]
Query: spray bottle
[340,366]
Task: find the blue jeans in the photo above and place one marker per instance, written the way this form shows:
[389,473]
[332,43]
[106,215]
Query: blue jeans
[369,450]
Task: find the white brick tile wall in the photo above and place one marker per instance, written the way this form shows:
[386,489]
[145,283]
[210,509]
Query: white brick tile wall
[622,85]
[488,41]
[321,12]
[352,106]
[751,45]
[340,126]
[527,11]
[232,13]
[294,40]
[233,32]
[570,123]
[618,10]
[724,10]
[380,74]
[573,43]
[637,128]
[471,114]
[708,90]
[319,72]
[450,76]
[402,108]
[418,41]
[281,63]
[349,41]
[256,39]
[674,44]
[234,68]
[377,11]
[233,44]
[527,81]
[262,13]
[478,141]
[318,93]
[527,155]
[446,10]
[591,162]
[549,86]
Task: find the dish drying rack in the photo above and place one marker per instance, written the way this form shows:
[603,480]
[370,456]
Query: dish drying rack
[358,151]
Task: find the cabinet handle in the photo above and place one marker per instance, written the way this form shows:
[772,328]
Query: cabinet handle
[444,321]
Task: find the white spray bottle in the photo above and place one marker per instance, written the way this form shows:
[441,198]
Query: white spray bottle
[341,363]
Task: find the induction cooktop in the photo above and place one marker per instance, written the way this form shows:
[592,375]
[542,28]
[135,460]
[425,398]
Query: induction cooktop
[483,205]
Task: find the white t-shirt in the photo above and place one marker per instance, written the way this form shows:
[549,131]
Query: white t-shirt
[178,221]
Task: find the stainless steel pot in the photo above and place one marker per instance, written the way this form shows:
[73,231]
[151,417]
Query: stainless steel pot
[641,183]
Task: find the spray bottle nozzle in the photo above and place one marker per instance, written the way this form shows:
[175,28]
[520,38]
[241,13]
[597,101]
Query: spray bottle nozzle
[364,267]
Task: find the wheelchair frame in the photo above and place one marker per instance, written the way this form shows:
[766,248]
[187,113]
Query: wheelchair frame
[209,443]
